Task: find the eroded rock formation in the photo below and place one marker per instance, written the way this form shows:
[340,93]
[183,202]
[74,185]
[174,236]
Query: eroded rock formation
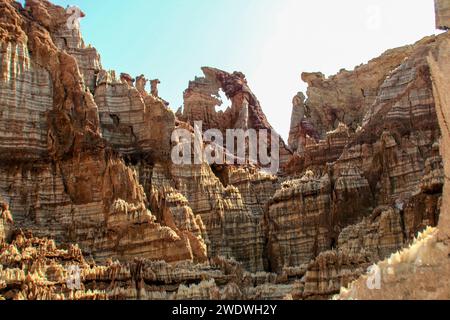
[442,14]
[203,96]
[421,271]
[89,156]
[381,164]
[60,175]
[85,166]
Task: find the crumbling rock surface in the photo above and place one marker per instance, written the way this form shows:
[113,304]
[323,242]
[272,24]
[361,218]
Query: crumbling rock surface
[232,214]
[345,97]
[6,222]
[36,269]
[132,120]
[359,246]
[298,222]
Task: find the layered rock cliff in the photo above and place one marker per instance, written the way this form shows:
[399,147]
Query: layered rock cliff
[91,165]
[373,182]
[442,14]
[87,181]
[61,177]
[422,270]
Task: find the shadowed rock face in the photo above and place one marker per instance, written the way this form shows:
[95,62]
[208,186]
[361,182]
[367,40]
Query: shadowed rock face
[85,160]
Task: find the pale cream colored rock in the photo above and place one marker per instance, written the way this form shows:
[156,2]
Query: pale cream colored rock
[442,14]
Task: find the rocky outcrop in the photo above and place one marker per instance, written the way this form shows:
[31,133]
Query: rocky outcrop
[202,97]
[133,121]
[231,214]
[442,14]
[417,273]
[422,270]
[6,222]
[381,154]
[359,246]
[440,67]
[85,161]
[329,272]
[36,269]
[344,98]
[298,222]
[60,177]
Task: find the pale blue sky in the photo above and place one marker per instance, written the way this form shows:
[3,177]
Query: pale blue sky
[271,41]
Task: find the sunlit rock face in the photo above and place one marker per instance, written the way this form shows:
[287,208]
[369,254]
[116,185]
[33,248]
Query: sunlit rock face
[46,269]
[85,161]
[442,14]
[422,270]
[6,222]
[244,112]
[381,162]
[27,94]
[92,166]
[343,98]
[132,121]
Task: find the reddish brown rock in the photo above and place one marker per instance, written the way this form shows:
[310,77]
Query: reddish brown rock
[202,97]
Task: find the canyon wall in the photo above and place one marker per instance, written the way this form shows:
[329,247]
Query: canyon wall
[376,179]
[421,271]
[442,14]
[87,180]
[59,175]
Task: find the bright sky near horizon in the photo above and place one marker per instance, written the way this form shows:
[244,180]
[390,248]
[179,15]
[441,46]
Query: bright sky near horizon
[271,41]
